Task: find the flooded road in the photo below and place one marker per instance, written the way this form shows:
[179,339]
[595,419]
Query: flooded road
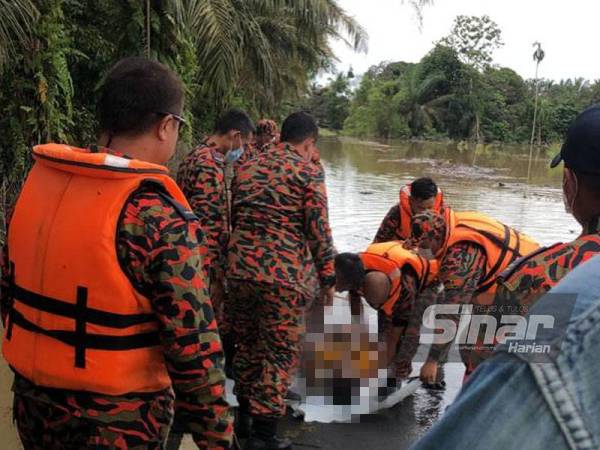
[363,180]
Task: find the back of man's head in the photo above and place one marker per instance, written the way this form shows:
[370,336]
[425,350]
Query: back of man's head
[135,94]
[298,127]
[349,271]
[234,119]
[423,188]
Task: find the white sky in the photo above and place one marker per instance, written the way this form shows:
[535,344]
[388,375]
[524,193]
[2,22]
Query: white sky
[569,31]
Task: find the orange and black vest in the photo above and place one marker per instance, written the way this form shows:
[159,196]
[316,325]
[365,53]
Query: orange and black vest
[391,258]
[76,321]
[406,213]
[502,244]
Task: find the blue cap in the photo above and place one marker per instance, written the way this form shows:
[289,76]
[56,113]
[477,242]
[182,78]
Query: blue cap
[581,149]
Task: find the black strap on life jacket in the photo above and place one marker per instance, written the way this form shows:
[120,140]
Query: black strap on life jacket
[82,314]
[520,262]
[11,298]
[504,244]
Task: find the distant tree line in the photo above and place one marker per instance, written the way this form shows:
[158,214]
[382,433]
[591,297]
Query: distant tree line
[453,92]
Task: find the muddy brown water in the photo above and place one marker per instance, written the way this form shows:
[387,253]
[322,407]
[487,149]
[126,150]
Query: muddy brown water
[363,180]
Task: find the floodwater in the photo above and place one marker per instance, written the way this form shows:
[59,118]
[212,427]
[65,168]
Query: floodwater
[363,180]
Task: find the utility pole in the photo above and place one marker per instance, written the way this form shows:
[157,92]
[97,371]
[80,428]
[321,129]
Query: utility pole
[538,56]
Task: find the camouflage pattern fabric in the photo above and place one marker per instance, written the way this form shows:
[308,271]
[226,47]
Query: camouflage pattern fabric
[280,222]
[59,420]
[531,277]
[269,322]
[201,177]
[389,230]
[162,254]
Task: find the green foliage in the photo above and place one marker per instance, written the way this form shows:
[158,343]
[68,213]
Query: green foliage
[474,39]
[258,54]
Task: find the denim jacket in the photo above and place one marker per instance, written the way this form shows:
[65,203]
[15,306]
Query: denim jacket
[510,403]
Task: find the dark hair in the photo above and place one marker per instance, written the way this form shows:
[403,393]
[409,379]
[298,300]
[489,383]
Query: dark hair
[351,268]
[234,119]
[298,127]
[423,188]
[135,93]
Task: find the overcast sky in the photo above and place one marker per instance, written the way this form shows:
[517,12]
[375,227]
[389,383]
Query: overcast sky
[569,31]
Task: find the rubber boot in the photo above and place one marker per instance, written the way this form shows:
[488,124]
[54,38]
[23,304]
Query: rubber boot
[229,349]
[243,423]
[264,435]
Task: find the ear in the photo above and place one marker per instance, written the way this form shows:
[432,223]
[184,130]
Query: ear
[162,128]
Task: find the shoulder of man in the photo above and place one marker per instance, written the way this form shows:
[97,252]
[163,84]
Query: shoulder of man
[155,210]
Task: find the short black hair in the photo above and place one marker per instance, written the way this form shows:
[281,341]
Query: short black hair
[299,126]
[423,188]
[351,268]
[134,95]
[234,119]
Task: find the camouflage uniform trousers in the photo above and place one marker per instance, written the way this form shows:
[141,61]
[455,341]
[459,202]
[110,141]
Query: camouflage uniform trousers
[45,426]
[268,320]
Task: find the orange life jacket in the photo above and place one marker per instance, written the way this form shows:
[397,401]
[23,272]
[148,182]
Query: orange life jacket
[391,258]
[76,321]
[406,213]
[502,244]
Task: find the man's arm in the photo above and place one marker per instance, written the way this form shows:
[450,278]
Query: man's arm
[318,232]
[397,325]
[162,254]
[460,272]
[389,230]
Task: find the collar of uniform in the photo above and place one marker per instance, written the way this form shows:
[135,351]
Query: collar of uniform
[216,153]
[94,148]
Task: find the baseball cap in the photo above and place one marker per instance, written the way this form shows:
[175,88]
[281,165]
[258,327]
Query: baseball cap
[581,149]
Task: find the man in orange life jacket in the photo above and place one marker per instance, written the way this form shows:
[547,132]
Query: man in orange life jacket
[416,197]
[390,279]
[531,277]
[109,328]
[473,250]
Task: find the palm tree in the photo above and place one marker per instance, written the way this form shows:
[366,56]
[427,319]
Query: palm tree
[421,102]
[16,20]
[538,57]
[265,45]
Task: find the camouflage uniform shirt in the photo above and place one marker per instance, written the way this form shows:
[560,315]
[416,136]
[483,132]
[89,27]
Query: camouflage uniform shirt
[201,177]
[280,222]
[161,254]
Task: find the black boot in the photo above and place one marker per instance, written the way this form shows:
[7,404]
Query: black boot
[229,349]
[243,423]
[264,435]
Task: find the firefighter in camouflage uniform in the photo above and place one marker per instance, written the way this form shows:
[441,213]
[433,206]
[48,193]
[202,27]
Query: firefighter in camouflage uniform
[280,236]
[109,328]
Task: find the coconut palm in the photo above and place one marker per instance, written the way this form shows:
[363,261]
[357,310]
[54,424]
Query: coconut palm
[421,101]
[265,45]
[16,20]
